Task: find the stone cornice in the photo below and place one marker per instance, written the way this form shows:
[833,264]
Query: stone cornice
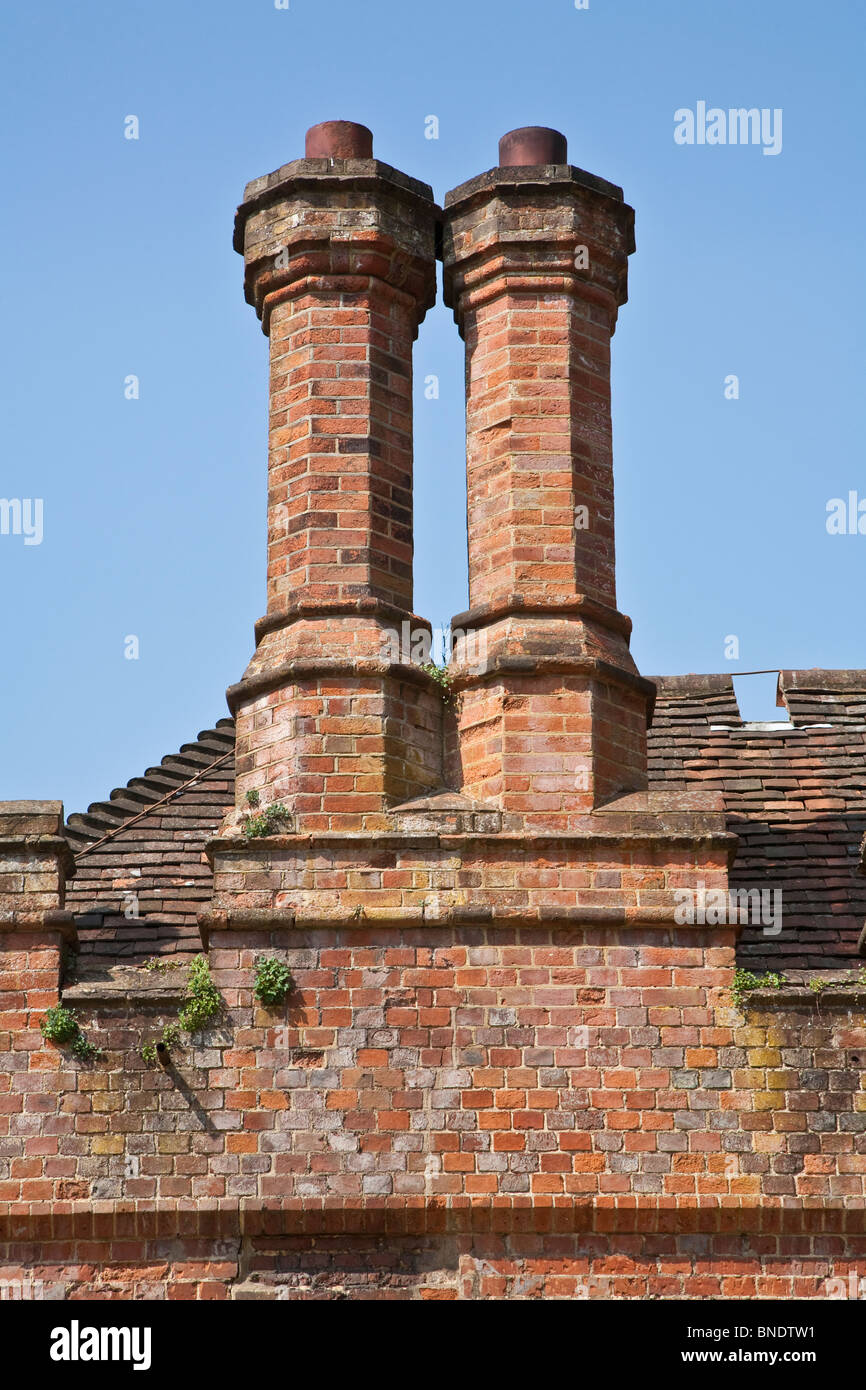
[479,915]
[338,175]
[515,230]
[367,606]
[338,226]
[533,179]
[289,672]
[704,826]
[578,605]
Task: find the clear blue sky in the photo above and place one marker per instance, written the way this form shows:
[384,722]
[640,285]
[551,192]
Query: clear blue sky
[117,259]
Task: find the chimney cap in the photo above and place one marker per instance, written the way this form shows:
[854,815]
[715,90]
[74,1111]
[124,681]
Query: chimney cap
[532,145]
[339,140]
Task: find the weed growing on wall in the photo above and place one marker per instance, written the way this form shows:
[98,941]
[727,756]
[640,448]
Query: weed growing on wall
[60,1026]
[273,980]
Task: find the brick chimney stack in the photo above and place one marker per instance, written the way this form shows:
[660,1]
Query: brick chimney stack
[553,713]
[339,254]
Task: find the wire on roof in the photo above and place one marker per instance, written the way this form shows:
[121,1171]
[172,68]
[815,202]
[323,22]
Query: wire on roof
[124,825]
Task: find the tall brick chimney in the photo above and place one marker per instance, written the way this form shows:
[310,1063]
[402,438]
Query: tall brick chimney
[339,254]
[553,713]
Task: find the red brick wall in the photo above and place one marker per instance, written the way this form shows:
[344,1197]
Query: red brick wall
[627,1256]
[538,391]
[541,1062]
[340,474]
[544,1112]
[549,748]
[338,750]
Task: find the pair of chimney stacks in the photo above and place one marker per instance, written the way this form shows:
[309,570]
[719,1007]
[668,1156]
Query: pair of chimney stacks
[547,719]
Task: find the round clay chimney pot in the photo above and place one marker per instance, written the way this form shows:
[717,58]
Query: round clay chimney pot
[532,144]
[339,140]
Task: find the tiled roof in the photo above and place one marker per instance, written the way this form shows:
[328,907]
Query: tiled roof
[795,795]
[142,852]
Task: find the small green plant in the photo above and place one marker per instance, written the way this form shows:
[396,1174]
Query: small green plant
[266,822]
[156,964]
[442,677]
[817,985]
[170,1036]
[203,1000]
[745,981]
[273,980]
[60,1026]
[253,798]
[82,1049]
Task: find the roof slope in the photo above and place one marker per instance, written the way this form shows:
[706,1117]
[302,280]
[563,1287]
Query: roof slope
[141,875]
[795,795]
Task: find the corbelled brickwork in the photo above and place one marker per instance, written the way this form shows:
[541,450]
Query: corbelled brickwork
[507,1067]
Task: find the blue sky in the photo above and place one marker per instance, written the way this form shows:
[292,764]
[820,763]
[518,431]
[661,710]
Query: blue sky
[117,259]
